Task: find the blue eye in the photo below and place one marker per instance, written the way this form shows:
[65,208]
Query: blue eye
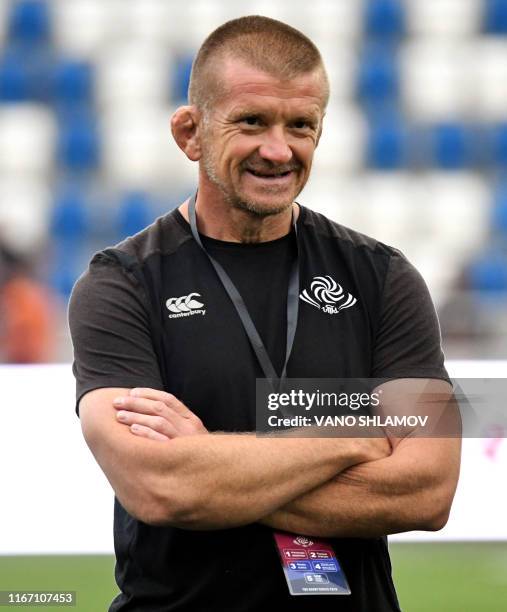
[251,120]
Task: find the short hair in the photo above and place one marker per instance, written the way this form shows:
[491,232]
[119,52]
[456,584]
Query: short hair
[261,42]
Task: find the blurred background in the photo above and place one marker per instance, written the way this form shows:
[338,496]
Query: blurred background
[414,153]
[414,150]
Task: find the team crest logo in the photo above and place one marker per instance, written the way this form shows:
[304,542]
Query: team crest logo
[327,295]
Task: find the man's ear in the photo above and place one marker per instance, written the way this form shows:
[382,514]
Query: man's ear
[186,131]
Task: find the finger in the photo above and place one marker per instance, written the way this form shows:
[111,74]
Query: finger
[180,408]
[157,423]
[144,406]
[146,432]
[168,398]
[156,408]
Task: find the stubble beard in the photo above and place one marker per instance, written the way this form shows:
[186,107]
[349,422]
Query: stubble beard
[234,200]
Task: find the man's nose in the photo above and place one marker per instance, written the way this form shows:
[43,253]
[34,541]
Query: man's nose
[275,147]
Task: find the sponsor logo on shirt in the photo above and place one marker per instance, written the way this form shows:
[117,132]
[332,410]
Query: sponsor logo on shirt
[327,295]
[185,306]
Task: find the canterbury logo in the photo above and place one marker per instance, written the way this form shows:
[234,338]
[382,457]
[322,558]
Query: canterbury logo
[327,295]
[185,306]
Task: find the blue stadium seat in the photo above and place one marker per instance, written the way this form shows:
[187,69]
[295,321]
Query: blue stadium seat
[488,273]
[25,74]
[499,216]
[70,258]
[495,16]
[378,78]
[388,146]
[78,141]
[180,79]
[384,18]
[497,145]
[63,276]
[69,224]
[73,83]
[15,80]
[452,146]
[29,22]
[135,213]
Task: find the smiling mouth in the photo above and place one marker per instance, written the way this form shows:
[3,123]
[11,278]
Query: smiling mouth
[270,175]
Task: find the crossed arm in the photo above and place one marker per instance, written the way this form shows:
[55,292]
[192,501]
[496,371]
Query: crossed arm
[406,491]
[191,479]
[412,489]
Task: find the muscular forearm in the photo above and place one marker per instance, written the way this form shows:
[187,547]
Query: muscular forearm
[211,480]
[224,480]
[395,494]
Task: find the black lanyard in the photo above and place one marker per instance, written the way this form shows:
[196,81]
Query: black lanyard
[244,315]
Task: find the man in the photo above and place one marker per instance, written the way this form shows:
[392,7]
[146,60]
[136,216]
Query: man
[166,368]
[27,321]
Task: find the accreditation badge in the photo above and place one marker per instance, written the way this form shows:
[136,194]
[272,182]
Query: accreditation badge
[310,565]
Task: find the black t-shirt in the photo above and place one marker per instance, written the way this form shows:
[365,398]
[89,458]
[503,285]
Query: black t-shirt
[134,324]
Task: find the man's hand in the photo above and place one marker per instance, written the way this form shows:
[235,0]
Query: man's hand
[215,481]
[157,415]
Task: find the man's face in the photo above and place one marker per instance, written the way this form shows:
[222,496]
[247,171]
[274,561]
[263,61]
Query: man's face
[259,138]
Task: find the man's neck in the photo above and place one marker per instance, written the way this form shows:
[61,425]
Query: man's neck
[234,225]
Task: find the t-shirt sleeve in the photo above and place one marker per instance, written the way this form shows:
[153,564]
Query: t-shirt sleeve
[110,330]
[408,340]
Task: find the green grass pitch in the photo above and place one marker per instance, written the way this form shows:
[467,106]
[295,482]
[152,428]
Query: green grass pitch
[443,577]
